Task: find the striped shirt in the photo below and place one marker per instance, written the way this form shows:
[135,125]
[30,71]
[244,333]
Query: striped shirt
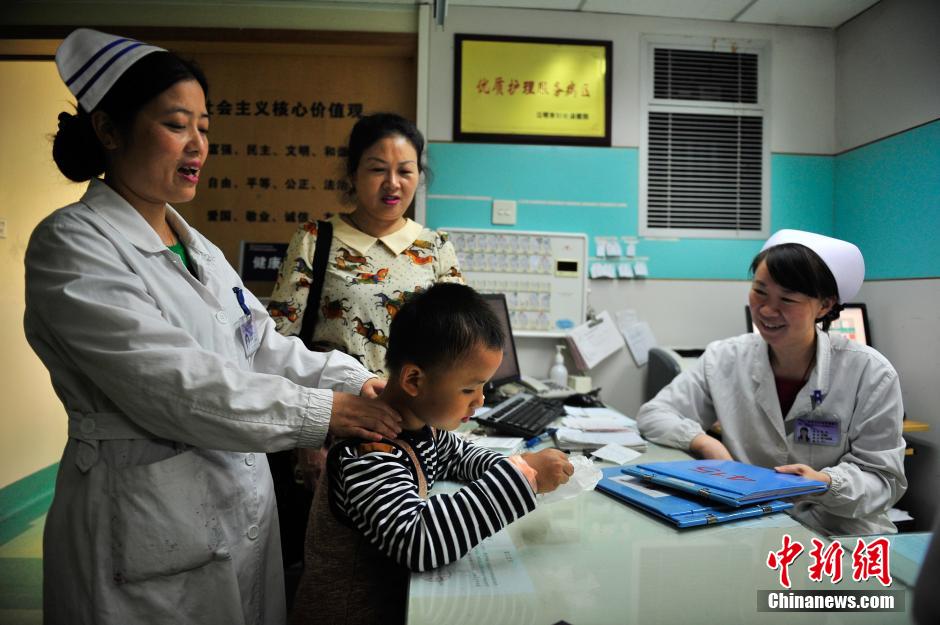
[376,489]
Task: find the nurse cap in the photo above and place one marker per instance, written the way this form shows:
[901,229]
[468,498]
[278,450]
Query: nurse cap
[843,258]
[90,62]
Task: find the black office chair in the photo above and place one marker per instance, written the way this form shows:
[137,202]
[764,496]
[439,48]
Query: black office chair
[662,367]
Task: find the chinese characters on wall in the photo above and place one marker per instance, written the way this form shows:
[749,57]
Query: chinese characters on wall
[278,133]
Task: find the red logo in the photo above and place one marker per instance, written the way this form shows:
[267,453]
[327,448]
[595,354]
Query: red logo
[871,560]
[719,473]
[868,560]
[784,558]
[826,561]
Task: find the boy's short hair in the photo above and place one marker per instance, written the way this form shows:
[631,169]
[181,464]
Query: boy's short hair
[438,326]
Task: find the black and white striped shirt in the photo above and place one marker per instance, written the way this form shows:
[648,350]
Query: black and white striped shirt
[377,490]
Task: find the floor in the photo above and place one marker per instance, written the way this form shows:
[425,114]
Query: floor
[21,572]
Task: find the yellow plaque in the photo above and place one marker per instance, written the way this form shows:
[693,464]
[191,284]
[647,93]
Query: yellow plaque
[532,90]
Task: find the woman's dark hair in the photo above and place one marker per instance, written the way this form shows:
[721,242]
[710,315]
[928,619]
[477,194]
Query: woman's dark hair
[439,326]
[77,150]
[373,128]
[797,268]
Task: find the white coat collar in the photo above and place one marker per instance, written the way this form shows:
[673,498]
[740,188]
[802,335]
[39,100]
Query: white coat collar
[763,376]
[124,218]
[820,373]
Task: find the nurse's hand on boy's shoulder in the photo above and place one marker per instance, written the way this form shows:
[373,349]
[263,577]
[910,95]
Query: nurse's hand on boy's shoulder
[806,471]
[552,468]
[362,417]
[709,448]
[372,387]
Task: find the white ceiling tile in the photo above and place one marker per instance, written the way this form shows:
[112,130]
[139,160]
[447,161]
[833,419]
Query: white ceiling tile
[826,14]
[820,13]
[558,5]
[695,9]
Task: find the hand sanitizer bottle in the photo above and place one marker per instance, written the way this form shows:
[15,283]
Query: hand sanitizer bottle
[558,374]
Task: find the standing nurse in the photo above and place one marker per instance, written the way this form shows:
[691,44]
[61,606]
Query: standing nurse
[793,397]
[170,373]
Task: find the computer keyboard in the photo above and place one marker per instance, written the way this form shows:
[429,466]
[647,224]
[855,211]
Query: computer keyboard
[523,415]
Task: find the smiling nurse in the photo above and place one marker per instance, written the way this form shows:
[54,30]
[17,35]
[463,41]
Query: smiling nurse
[793,397]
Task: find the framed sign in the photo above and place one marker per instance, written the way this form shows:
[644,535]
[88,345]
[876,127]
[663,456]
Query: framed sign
[259,262]
[532,90]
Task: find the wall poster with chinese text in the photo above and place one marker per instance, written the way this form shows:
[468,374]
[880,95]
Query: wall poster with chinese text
[532,90]
[280,117]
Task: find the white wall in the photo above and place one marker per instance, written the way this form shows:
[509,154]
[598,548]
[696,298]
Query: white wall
[887,63]
[905,327]
[802,68]
[681,313]
[33,425]
[887,82]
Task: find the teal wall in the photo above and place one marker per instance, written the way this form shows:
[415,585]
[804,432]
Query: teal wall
[801,197]
[887,201]
[25,500]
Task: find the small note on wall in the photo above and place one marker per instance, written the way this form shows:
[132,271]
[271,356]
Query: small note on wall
[593,341]
[638,335]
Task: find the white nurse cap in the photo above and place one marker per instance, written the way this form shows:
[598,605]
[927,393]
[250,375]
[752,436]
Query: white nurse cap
[90,62]
[843,258]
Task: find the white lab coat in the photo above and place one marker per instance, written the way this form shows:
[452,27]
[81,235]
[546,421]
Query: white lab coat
[164,506]
[733,382]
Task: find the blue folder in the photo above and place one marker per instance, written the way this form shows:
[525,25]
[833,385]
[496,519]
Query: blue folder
[726,481]
[680,510]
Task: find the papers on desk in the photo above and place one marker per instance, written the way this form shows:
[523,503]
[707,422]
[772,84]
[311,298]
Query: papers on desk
[578,440]
[592,342]
[618,454]
[592,428]
[602,424]
[506,445]
[596,419]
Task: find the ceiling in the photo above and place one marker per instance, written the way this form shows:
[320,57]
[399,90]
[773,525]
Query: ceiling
[818,13]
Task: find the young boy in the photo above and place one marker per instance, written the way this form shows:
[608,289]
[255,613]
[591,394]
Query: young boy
[372,521]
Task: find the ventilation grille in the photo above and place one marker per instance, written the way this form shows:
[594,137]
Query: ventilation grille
[704,171]
[705,76]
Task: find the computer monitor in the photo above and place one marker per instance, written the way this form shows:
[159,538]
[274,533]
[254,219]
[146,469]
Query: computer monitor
[852,323]
[509,369]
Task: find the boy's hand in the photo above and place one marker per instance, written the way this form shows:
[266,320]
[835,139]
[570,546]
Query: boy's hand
[358,417]
[552,468]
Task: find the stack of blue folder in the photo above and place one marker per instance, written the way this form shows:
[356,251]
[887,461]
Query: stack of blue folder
[688,493]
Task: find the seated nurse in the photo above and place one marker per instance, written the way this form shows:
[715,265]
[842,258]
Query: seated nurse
[795,398]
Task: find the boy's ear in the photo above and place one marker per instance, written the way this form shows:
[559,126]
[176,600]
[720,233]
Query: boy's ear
[411,379]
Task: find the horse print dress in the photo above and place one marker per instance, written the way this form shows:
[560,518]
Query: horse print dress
[367,280]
